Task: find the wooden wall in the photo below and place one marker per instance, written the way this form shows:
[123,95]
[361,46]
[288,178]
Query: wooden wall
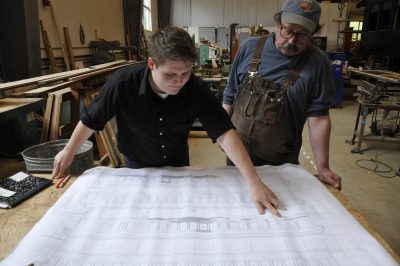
[103,16]
[99,19]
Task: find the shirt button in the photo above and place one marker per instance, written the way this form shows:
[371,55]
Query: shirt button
[160,118]
[163,146]
[160,133]
[165,157]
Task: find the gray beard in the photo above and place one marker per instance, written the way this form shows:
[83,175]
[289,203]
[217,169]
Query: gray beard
[291,47]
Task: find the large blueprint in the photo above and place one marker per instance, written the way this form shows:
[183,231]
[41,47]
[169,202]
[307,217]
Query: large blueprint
[196,217]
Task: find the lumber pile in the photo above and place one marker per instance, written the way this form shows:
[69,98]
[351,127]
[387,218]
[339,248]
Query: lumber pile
[63,93]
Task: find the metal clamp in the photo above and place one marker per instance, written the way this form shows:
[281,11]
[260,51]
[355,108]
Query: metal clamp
[252,74]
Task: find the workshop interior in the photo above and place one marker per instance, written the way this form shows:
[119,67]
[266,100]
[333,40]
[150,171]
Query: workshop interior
[55,56]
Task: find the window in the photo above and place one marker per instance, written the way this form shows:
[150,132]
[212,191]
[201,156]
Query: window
[146,20]
[356,29]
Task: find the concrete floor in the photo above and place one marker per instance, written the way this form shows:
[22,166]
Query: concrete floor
[376,197]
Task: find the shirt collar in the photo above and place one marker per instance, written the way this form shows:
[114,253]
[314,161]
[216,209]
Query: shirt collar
[145,84]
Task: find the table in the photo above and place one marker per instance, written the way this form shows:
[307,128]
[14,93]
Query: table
[126,225]
[11,107]
[17,222]
[363,110]
[380,75]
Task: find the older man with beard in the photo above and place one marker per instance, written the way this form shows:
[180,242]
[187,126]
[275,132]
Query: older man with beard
[277,84]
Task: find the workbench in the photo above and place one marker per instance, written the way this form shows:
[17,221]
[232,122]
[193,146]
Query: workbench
[15,223]
[384,90]
[385,82]
[364,110]
[384,76]
[11,107]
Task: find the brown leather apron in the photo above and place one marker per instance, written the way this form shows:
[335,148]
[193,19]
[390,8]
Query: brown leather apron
[262,115]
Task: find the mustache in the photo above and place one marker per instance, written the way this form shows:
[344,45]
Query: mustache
[292,47]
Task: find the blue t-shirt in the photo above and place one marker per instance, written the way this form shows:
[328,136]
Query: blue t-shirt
[311,94]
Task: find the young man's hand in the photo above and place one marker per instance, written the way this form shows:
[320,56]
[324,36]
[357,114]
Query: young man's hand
[264,198]
[62,162]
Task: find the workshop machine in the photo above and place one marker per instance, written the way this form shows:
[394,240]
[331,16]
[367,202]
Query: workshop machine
[387,125]
[105,51]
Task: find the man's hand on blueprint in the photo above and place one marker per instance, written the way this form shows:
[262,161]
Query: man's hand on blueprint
[264,198]
[326,175]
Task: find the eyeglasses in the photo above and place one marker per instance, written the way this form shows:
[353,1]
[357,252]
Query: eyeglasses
[288,33]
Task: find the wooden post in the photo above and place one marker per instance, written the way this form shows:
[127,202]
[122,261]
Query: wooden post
[69,48]
[62,46]
[49,50]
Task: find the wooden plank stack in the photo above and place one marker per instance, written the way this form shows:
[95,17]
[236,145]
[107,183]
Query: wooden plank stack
[67,87]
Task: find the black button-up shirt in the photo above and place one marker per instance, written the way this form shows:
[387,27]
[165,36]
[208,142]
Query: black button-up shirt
[153,131]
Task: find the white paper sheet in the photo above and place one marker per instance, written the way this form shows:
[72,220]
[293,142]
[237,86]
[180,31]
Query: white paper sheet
[196,217]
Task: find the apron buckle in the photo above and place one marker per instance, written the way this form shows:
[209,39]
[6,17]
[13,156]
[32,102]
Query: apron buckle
[252,74]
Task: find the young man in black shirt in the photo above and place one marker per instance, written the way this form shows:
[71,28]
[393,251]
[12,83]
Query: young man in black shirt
[155,104]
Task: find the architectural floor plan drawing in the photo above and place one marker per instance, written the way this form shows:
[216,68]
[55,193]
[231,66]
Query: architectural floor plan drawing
[196,217]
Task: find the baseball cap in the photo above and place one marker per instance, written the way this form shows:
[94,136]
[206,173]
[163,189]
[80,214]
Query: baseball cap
[305,13]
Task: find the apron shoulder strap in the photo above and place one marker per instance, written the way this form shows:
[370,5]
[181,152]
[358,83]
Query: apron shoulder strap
[294,73]
[257,55]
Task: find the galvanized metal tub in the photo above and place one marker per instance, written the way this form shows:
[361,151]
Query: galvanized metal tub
[40,158]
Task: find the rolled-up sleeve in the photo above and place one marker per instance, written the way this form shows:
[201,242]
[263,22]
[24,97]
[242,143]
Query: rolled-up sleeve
[323,93]
[103,107]
[212,116]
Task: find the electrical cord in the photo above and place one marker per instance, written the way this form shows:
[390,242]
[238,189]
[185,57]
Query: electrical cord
[377,164]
